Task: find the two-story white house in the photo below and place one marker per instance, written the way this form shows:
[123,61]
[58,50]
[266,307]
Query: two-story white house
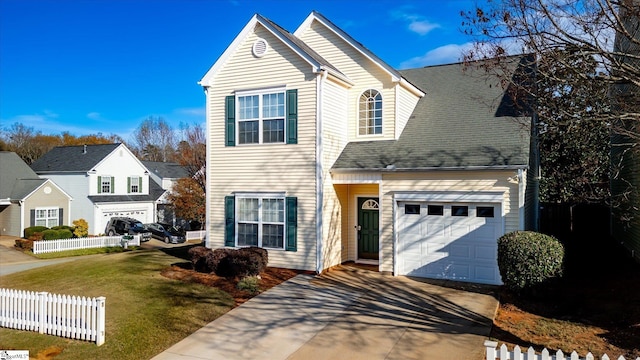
[322,153]
[105,181]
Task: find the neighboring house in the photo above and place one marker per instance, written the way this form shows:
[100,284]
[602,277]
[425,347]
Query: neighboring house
[165,174]
[624,153]
[104,180]
[322,153]
[28,200]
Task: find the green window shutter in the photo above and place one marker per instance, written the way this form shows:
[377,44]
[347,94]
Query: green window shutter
[113,185]
[292,224]
[292,116]
[140,184]
[60,216]
[230,124]
[229,221]
[128,184]
[99,184]
[32,221]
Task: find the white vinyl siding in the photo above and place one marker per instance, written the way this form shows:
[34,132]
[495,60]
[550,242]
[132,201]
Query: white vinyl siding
[406,103]
[285,168]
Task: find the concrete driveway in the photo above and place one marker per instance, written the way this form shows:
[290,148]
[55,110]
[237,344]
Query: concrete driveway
[350,313]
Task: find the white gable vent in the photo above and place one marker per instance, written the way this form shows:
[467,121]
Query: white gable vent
[259,47]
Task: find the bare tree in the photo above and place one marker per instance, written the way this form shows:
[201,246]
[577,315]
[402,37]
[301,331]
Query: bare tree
[579,72]
[154,140]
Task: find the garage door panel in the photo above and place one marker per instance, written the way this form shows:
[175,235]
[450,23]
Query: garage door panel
[450,247]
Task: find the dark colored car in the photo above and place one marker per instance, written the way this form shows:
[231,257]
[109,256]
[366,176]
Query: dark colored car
[166,233]
[127,226]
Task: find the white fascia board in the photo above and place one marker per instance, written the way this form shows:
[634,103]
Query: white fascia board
[451,196]
[250,26]
[412,88]
[349,40]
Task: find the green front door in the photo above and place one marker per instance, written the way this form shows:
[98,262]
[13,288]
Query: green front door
[368,228]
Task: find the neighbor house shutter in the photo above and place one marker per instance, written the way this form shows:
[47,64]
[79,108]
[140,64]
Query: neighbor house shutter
[99,184]
[140,184]
[229,221]
[128,184]
[292,223]
[292,116]
[32,221]
[60,216]
[230,123]
[113,185]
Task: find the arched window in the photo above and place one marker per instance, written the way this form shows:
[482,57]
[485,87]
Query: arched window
[370,113]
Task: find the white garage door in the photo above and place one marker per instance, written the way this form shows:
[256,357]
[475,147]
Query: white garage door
[456,241]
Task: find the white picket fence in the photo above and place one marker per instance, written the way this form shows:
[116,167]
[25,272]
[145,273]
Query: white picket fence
[67,316]
[196,235]
[504,354]
[47,246]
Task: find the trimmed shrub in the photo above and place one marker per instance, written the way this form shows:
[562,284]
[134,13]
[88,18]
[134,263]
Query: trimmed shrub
[32,230]
[198,255]
[24,244]
[215,258]
[527,259]
[57,234]
[81,228]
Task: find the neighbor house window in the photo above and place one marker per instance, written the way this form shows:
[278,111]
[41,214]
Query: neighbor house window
[135,184]
[260,221]
[105,184]
[47,217]
[370,113]
[261,117]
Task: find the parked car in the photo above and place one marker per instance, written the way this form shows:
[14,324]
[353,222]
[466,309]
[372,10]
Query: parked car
[166,233]
[127,226]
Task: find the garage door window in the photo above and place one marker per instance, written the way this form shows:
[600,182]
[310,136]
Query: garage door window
[459,210]
[484,211]
[437,210]
[412,209]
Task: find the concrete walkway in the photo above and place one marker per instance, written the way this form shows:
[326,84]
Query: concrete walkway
[349,314]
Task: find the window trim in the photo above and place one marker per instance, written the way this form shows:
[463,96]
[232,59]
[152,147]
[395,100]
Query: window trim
[260,93]
[132,183]
[359,134]
[260,222]
[47,218]
[101,181]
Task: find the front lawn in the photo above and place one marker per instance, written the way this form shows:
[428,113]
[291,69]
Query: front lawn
[145,311]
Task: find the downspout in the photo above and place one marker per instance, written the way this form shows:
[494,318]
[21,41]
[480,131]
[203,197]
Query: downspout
[208,193]
[521,198]
[319,172]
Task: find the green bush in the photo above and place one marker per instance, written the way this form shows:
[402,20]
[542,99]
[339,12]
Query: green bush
[527,259]
[32,230]
[57,234]
[249,284]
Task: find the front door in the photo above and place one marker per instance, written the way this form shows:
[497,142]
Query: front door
[368,228]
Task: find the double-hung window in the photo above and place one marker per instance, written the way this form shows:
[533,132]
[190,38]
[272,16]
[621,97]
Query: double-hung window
[46,217]
[105,184]
[260,221]
[134,184]
[261,117]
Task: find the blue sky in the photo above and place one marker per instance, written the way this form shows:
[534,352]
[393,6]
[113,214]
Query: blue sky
[103,66]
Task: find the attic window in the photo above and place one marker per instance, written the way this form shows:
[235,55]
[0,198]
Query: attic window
[259,48]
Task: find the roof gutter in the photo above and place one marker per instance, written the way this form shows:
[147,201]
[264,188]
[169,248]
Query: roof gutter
[391,169]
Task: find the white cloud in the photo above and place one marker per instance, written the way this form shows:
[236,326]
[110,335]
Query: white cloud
[442,55]
[422,27]
[416,23]
[199,111]
[94,115]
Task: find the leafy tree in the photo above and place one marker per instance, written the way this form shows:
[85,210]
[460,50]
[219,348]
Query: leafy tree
[192,153]
[577,69]
[188,199]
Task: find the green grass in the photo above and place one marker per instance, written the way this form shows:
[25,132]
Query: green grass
[145,312]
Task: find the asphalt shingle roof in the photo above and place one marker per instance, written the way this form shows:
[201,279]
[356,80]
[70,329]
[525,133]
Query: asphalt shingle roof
[465,120]
[72,158]
[17,179]
[166,169]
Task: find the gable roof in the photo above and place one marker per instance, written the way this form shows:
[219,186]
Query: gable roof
[466,121]
[80,158]
[17,179]
[298,46]
[396,76]
[166,169]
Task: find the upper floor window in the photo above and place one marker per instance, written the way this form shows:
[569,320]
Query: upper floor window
[268,116]
[105,184]
[370,113]
[261,118]
[135,184]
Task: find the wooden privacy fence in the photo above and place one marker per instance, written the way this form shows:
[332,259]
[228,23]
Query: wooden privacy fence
[196,235]
[66,316]
[47,246]
[504,354]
